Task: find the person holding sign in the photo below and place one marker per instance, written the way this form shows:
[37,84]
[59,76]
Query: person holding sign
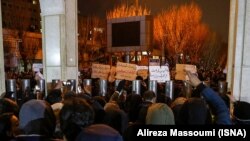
[182,75]
[181,71]
[221,112]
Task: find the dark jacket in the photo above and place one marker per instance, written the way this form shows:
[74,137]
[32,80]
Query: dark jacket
[143,112]
[221,112]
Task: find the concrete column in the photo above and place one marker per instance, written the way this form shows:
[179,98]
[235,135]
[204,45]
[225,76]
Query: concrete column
[71,40]
[242,52]
[59,30]
[2,74]
[231,43]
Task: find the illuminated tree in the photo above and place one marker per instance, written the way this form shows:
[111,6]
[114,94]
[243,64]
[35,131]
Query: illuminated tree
[180,30]
[124,10]
[196,44]
[214,52]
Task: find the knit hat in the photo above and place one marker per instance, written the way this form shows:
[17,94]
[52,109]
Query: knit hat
[34,110]
[99,132]
[160,114]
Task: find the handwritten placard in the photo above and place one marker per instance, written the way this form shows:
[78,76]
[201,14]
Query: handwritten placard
[181,71]
[125,71]
[112,74]
[159,73]
[100,71]
[142,71]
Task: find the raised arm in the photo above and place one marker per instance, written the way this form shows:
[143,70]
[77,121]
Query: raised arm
[222,114]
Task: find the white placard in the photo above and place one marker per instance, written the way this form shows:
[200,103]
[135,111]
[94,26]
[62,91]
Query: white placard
[37,67]
[159,73]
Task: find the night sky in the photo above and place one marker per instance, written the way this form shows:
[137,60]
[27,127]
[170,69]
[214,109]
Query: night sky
[215,12]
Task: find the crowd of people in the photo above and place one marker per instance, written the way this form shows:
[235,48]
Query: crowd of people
[85,116]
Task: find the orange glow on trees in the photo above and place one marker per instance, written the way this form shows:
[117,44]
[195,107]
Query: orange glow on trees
[214,52]
[180,30]
[124,10]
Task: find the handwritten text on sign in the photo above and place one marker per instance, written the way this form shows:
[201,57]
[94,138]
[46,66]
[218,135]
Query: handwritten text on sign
[142,71]
[100,71]
[112,74]
[161,74]
[125,71]
[181,71]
